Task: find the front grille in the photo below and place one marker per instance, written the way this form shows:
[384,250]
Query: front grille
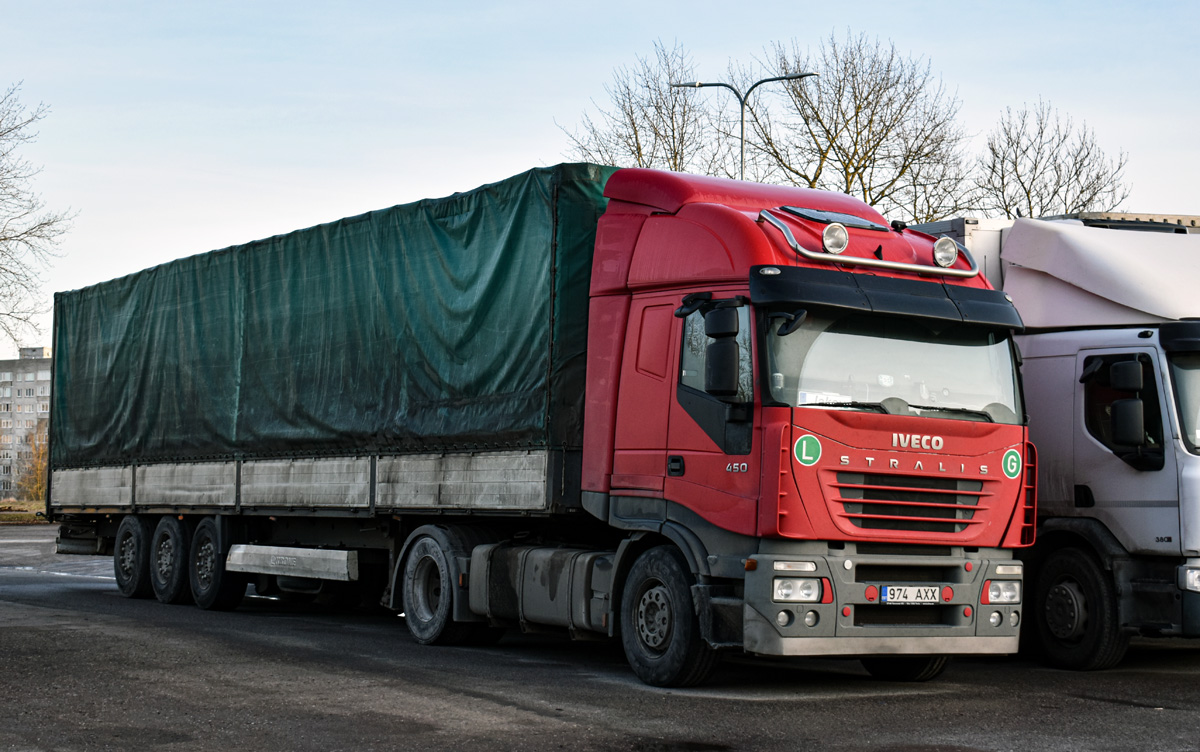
[878,501]
[895,573]
[901,549]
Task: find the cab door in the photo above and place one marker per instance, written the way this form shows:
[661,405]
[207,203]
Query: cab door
[1134,491]
[713,445]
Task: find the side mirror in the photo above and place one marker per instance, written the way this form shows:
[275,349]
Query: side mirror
[1126,376]
[721,367]
[721,322]
[1128,420]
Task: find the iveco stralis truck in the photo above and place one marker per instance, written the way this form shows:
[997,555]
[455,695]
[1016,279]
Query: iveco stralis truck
[694,414]
[1112,379]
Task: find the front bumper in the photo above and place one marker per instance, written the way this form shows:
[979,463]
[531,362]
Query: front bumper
[853,621]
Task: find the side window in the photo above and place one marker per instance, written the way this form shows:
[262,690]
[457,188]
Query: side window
[695,348]
[1099,395]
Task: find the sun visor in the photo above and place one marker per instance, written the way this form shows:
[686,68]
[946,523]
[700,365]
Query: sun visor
[886,295]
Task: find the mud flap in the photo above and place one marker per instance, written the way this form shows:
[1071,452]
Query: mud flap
[720,615]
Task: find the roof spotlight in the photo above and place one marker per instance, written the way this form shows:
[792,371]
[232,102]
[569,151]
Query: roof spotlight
[835,238]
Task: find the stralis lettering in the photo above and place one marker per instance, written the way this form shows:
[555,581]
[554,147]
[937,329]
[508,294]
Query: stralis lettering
[916,441]
[894,464]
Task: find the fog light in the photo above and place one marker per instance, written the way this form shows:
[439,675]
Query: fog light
[835,238]
[783,618]
[796,590]
[945,252]
[995,619]
[811,619]
[1014,619]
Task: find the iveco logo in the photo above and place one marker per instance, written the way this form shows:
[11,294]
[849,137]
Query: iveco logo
[916,441]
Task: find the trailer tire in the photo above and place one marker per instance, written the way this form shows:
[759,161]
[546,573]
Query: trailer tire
[170,547]
[428,596]
[906,668]
[213,587]
[131,557]
[659,628]
[1075,610]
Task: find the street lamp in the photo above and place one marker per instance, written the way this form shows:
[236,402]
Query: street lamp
[742,101]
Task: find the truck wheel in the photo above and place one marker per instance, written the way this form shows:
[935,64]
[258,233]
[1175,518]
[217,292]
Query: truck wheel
[131,557]
[659,629]
[1075,608]
[214,588]
[917,668]
[169,548]
[428,596]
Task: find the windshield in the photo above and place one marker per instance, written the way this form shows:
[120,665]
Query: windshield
[1185,373]
[896,365]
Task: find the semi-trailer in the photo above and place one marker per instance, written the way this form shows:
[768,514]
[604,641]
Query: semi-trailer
[693,414]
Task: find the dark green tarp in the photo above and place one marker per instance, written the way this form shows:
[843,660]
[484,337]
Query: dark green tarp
[446,324]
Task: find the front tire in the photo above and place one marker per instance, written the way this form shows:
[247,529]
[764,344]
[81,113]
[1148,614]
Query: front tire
[917,668]
[659,629]
[170,545]
[214,588]
[131,557]
[429,596]
[1075,607]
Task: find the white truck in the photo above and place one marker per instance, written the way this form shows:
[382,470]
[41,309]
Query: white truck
[1112,387]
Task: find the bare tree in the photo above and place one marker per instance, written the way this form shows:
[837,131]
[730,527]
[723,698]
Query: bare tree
[28,232]
[873,124]
[651,124]
[1036,164]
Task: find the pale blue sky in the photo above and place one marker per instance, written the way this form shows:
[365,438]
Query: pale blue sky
[180,127]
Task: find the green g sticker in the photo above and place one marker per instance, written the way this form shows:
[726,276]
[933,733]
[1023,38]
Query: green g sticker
[1012,463]
[807,450]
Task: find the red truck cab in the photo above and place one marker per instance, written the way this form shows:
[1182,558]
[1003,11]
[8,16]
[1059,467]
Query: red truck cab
[825,420]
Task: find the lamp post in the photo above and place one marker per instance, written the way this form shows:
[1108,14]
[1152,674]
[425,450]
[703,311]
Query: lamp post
[742,102]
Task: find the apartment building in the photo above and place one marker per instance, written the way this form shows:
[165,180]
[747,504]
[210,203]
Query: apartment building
[24,410]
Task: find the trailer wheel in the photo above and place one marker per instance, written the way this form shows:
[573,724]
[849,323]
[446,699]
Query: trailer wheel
[1075,608]
[169,548]
[214,588]
[659,629]
[428,596]
[918,668]
[131,557]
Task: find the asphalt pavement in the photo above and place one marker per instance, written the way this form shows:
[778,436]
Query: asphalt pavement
[82,668]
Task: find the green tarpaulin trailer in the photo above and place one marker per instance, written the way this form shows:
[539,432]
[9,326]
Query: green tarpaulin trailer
[453,325]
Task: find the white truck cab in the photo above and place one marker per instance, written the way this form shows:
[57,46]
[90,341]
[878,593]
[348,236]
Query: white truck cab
[1111,371]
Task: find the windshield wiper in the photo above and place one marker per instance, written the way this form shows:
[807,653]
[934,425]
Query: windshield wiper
[874,406]
[944,409]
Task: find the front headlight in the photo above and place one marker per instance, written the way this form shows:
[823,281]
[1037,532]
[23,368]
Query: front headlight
[1003,591]
[796,590]
[1191,580]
